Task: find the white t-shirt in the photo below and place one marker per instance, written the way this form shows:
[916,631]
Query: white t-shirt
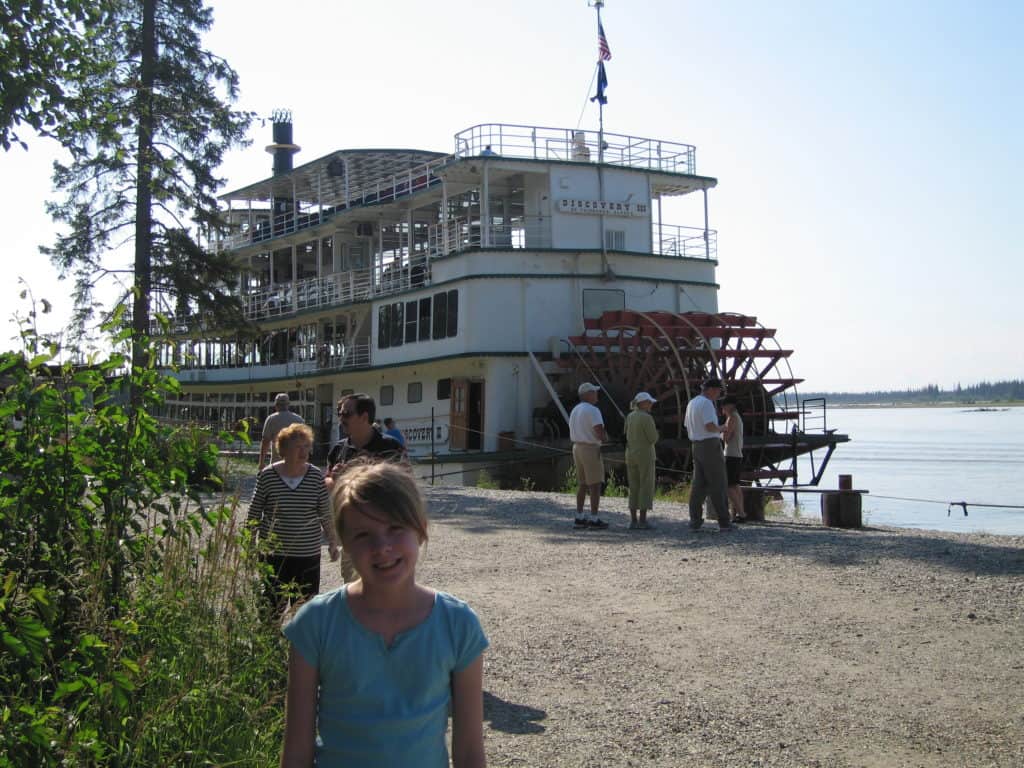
[582,420]
[699,412]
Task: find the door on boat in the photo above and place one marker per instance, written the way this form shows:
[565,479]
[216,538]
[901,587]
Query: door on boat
[457,417]
[475,417]
[466,416]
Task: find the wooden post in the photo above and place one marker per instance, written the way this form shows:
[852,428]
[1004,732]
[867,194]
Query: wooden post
[753,503]
[841,509]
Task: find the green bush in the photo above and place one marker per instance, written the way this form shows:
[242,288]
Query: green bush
[129,613]
[484,480]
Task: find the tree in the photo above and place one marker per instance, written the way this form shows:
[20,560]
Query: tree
[143,172]
[39,39]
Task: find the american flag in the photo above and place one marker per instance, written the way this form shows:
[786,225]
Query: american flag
[603,51]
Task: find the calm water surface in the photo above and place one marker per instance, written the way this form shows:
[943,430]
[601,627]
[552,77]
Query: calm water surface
[945,454]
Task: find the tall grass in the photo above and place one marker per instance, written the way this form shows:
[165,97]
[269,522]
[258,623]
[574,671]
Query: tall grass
[212,665]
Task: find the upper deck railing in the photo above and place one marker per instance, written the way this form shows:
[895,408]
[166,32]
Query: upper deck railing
[260,226]
[538,143]
[515,141]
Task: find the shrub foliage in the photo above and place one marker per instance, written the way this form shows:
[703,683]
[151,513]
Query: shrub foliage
[129,614]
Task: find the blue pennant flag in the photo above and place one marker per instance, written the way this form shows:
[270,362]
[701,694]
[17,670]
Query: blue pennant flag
[602,83]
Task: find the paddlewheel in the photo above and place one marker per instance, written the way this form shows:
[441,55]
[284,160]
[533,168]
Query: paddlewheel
[669,355]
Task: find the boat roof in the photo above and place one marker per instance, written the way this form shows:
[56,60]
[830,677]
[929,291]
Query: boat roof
[325,177]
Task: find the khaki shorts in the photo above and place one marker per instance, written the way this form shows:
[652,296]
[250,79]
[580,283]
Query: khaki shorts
[589,465]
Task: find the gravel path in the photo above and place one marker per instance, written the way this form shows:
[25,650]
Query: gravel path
[784,644]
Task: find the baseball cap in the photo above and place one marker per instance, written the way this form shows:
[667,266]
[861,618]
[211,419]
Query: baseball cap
[644,397]
[586,387]
[281,398]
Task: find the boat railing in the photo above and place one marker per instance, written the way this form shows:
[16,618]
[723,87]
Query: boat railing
[305,359]
[460,234]
[685,242]
[404,272]
[261,226]
[349,287]
[572,144]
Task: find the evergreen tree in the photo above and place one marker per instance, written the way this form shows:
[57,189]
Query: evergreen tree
[143,172]
[39,39]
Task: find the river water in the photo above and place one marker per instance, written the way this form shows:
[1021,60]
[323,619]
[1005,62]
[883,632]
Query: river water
[935,454]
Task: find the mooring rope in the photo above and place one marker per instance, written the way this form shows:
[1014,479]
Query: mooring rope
[950,504]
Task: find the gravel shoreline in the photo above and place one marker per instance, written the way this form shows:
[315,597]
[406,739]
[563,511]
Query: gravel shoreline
[784,644]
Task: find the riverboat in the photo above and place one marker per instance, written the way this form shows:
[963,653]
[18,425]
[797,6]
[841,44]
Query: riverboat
[471,290]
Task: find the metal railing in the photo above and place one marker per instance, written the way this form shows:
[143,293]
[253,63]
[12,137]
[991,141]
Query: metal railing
[460,235]
[813,415]
[325,356]
[519,141]
[389,188]
[686,242]
[539,143]
[408,273]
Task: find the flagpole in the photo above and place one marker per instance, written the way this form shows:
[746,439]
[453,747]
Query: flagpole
[598,4]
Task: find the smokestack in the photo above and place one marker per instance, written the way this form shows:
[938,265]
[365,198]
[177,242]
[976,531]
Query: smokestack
[282,149]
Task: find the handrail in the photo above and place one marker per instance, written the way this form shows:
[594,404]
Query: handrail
[387,189]
[404,272]
[504,139]
[546,143]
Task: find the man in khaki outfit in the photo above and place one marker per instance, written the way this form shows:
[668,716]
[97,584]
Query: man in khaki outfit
[586,431]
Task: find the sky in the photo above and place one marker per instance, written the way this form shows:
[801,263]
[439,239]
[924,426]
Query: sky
[868,154]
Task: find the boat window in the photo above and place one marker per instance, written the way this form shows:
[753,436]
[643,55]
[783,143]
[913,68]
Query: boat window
[425,319]
[384,327]
[411,315]
[387,395]
[415,392]
[615,239]
[397,315]
[453,313]
[444,389]
[440,315]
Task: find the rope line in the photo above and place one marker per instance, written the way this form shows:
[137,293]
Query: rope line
[684,474]
[586,98]
[565,452]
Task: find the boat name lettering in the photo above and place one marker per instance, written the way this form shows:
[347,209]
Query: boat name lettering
[421,435]
[602,207]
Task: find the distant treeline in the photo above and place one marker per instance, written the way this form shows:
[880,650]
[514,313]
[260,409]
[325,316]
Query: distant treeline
[985,392]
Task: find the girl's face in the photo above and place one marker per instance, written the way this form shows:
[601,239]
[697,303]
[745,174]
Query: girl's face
[383,551]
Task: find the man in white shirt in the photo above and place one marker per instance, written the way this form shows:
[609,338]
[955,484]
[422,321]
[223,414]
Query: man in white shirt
[586,431]
[701,422]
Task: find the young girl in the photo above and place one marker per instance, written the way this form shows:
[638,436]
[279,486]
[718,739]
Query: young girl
[375,665]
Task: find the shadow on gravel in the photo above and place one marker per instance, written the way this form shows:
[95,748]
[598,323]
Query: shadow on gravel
[552,516]
[512,718]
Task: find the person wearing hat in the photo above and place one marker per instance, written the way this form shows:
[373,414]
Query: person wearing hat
[641,435]
[701,422]
[586,431]
[278,420]
[733,437]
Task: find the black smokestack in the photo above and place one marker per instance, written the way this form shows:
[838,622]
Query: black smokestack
[282,149]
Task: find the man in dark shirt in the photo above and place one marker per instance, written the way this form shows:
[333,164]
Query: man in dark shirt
[363,441]
[356,413]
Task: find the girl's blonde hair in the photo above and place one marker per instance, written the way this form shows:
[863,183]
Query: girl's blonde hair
[290,433]
[380,488]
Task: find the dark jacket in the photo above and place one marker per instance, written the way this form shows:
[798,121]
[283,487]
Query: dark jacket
[384,446]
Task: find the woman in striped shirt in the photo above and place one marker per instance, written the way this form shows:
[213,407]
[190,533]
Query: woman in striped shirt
[291,512]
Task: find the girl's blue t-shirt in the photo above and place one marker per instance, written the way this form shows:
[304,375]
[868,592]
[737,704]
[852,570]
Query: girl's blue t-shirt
[379,705]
